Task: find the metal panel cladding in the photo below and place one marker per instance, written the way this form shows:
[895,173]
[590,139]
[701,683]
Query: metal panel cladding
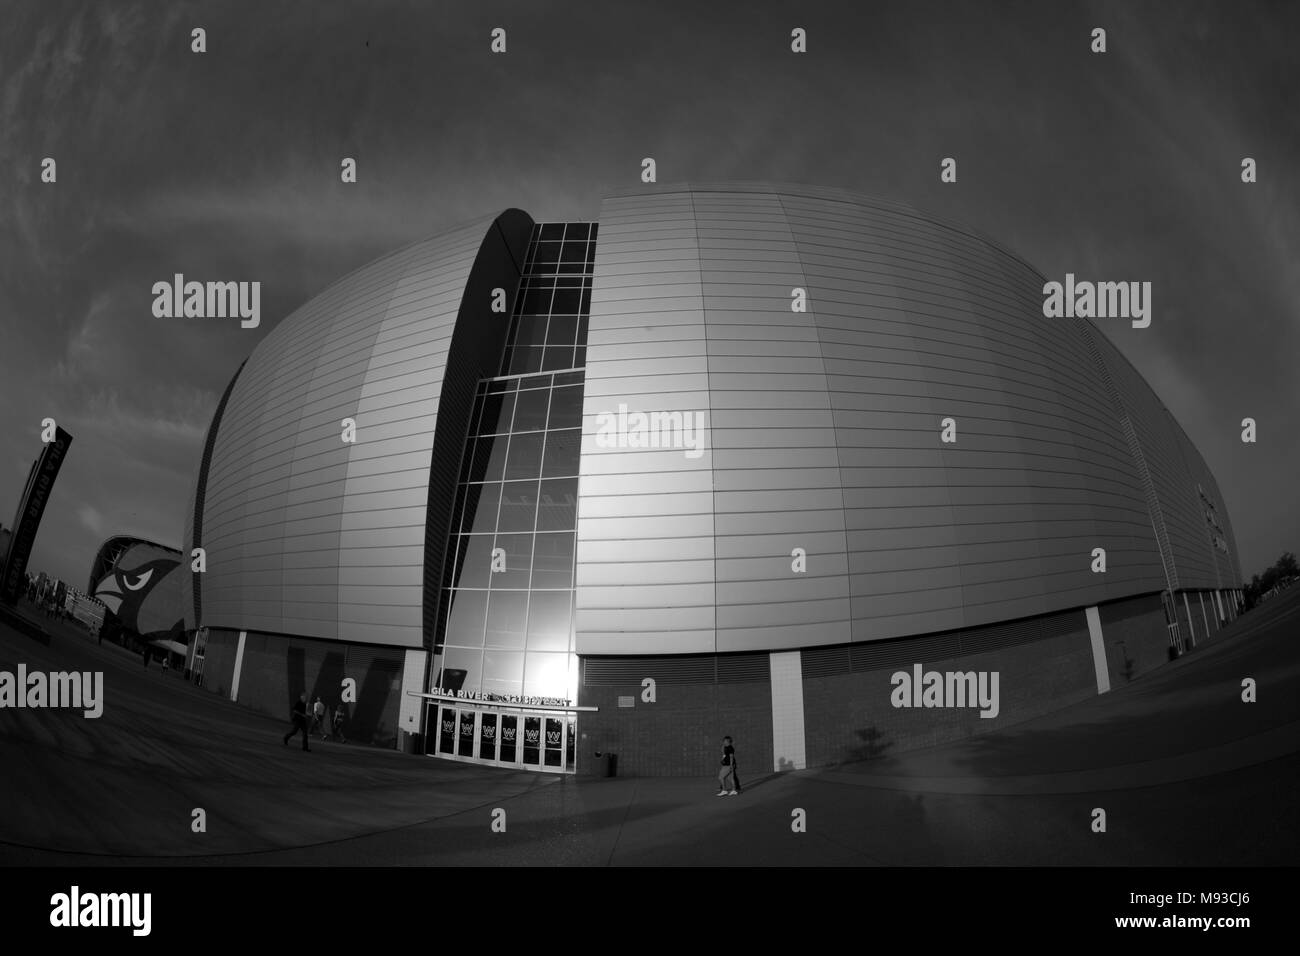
[307,534]
[1176,469]
[821,431]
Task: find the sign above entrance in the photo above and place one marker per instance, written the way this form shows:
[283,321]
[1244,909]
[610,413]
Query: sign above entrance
[501,698]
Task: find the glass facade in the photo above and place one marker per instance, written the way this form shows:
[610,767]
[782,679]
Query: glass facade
[507,631]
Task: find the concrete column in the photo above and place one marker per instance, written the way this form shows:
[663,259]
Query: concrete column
[788,750]
[1098,650]
[239,666]
[410,709]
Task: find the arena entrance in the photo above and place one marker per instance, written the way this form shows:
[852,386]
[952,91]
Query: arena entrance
[519,737]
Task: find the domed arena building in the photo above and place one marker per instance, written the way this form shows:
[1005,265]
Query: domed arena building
[781,463]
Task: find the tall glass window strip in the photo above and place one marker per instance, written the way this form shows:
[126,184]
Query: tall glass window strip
[508,591]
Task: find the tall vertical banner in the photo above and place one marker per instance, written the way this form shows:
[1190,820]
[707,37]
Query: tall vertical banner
[31,506]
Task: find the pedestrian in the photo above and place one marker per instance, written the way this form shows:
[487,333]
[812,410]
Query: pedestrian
[167,662]
[728,783]
[340,718]
[318,717]
[299,716]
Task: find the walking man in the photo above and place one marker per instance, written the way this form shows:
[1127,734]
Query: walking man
[318,717]
[728,785]
[299,716]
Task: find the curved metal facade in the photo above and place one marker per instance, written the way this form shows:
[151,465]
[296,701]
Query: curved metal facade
[307,534]
[823,432]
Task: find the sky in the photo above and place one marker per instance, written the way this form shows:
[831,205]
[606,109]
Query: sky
[1121,166]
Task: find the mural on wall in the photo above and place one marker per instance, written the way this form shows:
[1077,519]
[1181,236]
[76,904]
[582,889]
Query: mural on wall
[138,583]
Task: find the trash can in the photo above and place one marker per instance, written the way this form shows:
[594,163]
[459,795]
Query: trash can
[410,742]
[606,764]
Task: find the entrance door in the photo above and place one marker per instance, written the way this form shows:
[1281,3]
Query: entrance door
[542,742]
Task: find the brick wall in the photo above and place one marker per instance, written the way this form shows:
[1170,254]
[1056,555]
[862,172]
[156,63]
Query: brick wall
[1135,635]
[850,716]
[681,733]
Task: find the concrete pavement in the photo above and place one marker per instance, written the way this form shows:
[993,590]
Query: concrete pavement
[1186,772]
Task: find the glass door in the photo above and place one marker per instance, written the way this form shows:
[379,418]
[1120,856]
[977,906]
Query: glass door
[447,731]
[468,729]
[542,742]
[553,744]
[532,749]
[487,737]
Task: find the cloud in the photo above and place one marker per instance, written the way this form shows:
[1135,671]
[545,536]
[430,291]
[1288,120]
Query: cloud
[91,519]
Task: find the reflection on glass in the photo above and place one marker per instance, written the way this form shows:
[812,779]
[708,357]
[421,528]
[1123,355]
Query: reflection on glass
[506,619]
[566,408]
[532,330]
[458,661]
[465,622]
[489,458]
[481,503]
[525,459]
[546,675]
[563,329]
[530,413]
[518,558]
[496,414]
[560,457]
[557,357]
[519,476]
[553,560]
[537,301]
[474,569]
[574,252]
[567,303]
[503,673]
[518,506]
[558,507]
[525,360]
[568,743]
[548,621]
